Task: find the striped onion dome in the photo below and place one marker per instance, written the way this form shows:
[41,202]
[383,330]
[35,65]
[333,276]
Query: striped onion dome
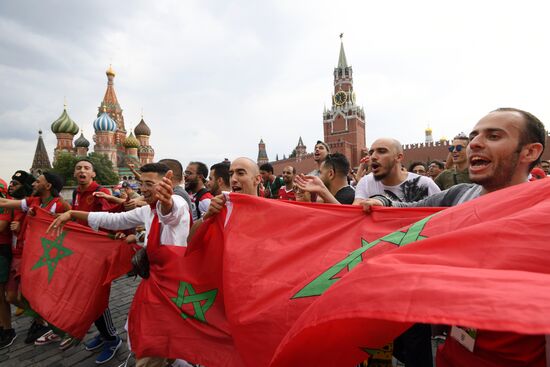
[64,124]
[104,123]
[81,141]
[142,128]
[131,141]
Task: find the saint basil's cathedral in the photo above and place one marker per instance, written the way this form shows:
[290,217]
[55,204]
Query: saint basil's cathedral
[110,138]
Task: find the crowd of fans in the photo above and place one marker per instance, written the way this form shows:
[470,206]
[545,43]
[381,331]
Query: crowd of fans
[503,149]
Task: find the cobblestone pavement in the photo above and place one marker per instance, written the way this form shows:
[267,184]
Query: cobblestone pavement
[21,354]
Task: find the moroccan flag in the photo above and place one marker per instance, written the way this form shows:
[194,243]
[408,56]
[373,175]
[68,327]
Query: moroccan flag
[178,312]
[244,279]
[66,279]
[483,264]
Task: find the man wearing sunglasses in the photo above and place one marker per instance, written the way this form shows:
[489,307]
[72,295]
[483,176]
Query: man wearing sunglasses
[459,172]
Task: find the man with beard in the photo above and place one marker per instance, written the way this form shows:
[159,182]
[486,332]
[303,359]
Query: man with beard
[45,194]
[219,178]
[332,184]
[286,192]
[195,176]
[319,155]
[388,178]
[504,146]
[165,213]
[459,172]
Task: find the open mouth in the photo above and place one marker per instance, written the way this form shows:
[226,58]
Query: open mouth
[375,166]
[478,163]
[236,189]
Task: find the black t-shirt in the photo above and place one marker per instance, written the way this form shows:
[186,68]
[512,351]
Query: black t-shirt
[345,195]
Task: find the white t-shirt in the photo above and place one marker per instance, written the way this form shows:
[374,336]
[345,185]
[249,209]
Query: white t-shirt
[414,188]
[174,229]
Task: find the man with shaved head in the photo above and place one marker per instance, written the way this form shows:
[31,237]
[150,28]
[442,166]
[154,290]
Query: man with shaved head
[244,178]
[388,179]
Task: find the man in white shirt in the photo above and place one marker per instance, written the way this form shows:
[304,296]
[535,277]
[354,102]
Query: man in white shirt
[156,188]
[389,179]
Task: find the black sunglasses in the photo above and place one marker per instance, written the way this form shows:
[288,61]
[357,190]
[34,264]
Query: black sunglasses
[458,148]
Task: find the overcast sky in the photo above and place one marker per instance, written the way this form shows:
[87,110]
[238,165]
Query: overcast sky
[213,77]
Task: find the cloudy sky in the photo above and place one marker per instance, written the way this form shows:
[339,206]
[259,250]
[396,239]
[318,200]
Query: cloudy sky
[213,77]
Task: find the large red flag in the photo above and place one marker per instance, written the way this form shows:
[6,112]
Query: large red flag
[483,264]
[178,312]
[257,265]
[66,279]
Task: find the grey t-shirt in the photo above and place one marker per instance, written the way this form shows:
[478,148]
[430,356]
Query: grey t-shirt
[456,195]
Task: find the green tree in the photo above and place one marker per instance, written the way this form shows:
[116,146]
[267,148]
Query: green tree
[103,169]
[65,162]
[64,166]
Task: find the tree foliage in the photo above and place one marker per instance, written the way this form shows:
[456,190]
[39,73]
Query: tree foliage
[65,162]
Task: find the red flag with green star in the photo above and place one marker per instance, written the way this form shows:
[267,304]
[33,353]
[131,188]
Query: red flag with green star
[228,302]
[480,265]
[66,279]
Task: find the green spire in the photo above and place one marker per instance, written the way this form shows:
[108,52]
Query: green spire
[342,62]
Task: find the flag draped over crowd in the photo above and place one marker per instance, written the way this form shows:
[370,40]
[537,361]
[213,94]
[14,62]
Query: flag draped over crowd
[275,283]
[66,279]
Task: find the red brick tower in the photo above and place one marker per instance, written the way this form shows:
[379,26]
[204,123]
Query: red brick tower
[344,123]
[112,107]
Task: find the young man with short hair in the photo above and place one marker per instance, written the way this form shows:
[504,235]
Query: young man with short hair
[504,146]
[195,177]
[459,172]
[388,178]
[435,168]
[219,178]
[320,152]
[272,183]
[332,184]
[286,192]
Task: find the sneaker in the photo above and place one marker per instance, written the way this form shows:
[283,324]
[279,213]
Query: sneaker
[35,331]
[47,338]
[7,338]
[67,342]
[95,343]
[109,350]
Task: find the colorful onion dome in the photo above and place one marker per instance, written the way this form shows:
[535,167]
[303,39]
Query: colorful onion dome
[81,142]
[142,128]
[64,124]
[131,141]
[104,123]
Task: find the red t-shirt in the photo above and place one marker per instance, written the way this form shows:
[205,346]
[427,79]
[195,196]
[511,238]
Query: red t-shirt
[495,349]
[86,201]
[286,195]
[5,235]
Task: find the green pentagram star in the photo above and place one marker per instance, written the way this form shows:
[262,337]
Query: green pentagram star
[191,297]
[46,259]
